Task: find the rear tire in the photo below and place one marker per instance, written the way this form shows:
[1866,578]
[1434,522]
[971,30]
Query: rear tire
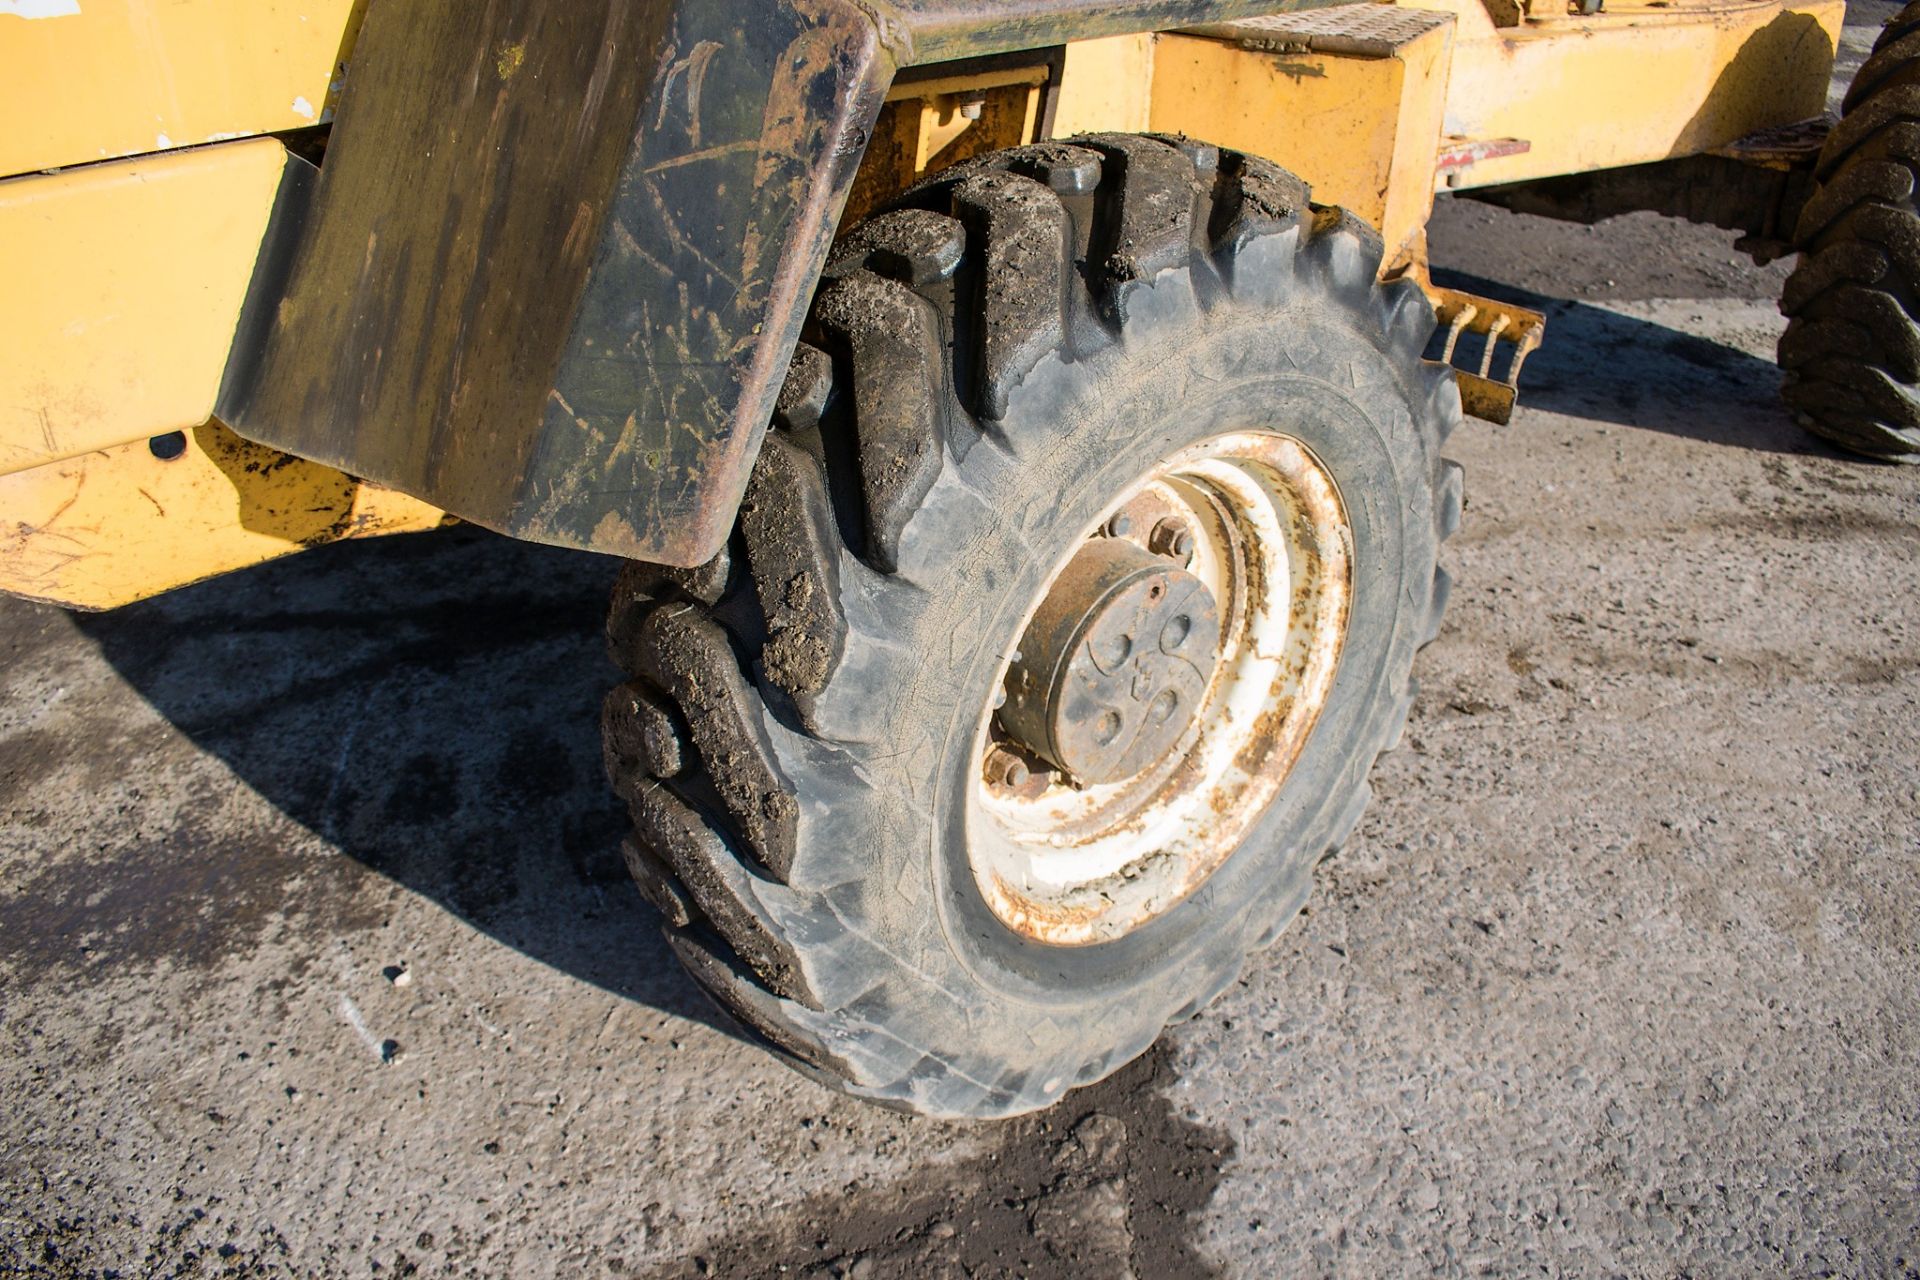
[989,368]
[1851,352]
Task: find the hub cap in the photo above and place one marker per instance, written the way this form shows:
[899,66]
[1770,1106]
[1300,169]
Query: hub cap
[1114,663]
[1165,681]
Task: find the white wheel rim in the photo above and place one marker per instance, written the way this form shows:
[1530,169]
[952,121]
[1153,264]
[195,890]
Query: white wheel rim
[1078,865]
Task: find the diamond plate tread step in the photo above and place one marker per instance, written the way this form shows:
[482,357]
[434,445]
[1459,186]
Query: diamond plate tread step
[1358,30]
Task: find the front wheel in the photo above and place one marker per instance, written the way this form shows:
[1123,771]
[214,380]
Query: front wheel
[1072,599]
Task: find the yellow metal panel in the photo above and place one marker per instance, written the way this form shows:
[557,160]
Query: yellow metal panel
[1634,84]
[959,126]
[1416,145]
[930,125]
[966,87]
[122,524]
[1364,130]
[86,80]
[123,285]
[1105,85]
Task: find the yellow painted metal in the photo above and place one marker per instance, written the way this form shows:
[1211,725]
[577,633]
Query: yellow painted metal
[1640,82]
[967,87]
[1486,391]
[121,524]
[1360,114]
[87,80]
[1105,85]
[125,280]
[1362,127]
[968,115]
[123,286]
[927,125]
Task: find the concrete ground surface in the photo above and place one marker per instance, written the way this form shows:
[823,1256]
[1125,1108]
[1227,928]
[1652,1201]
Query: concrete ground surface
[317,957]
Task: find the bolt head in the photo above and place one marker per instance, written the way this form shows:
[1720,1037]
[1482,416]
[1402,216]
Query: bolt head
[1173,538]
[1120,526]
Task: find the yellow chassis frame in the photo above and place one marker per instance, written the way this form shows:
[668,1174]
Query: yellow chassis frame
[141,134]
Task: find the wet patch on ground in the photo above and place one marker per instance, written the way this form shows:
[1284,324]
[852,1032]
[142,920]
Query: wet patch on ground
[1106,1183]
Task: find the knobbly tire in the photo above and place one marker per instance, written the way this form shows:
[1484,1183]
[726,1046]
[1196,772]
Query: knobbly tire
[990,367]
[1851,352]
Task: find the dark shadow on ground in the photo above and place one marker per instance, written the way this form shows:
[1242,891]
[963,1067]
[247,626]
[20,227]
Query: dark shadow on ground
[1599,365]
[428,704]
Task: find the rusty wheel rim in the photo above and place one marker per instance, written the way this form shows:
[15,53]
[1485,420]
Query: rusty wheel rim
[1071,860]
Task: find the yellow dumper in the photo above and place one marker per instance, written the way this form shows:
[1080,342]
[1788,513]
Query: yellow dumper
[1022,421]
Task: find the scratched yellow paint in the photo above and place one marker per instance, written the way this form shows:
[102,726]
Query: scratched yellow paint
[929,124]
[124,280]
[509,59]
[123,286]
[98,79]
[121,524]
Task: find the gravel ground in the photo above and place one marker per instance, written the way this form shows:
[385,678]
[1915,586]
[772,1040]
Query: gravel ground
[316,956]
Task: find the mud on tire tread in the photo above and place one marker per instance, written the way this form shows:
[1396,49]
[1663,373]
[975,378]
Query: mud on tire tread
[1851,350]
[787,667]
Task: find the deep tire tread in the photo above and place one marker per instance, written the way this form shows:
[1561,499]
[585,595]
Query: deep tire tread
[889,337]
[1851,350]
[793,546]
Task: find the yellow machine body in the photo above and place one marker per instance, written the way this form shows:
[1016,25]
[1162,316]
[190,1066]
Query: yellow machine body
[1642,80]
[124,285]
[139,168]
[1380,106]
[145,149]
[116,524]
[89,80]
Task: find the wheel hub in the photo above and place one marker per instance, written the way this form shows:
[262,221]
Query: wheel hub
[1114,664]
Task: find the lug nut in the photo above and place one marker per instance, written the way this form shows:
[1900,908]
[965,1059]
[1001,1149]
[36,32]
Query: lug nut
[1172,537]
[1006,769]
